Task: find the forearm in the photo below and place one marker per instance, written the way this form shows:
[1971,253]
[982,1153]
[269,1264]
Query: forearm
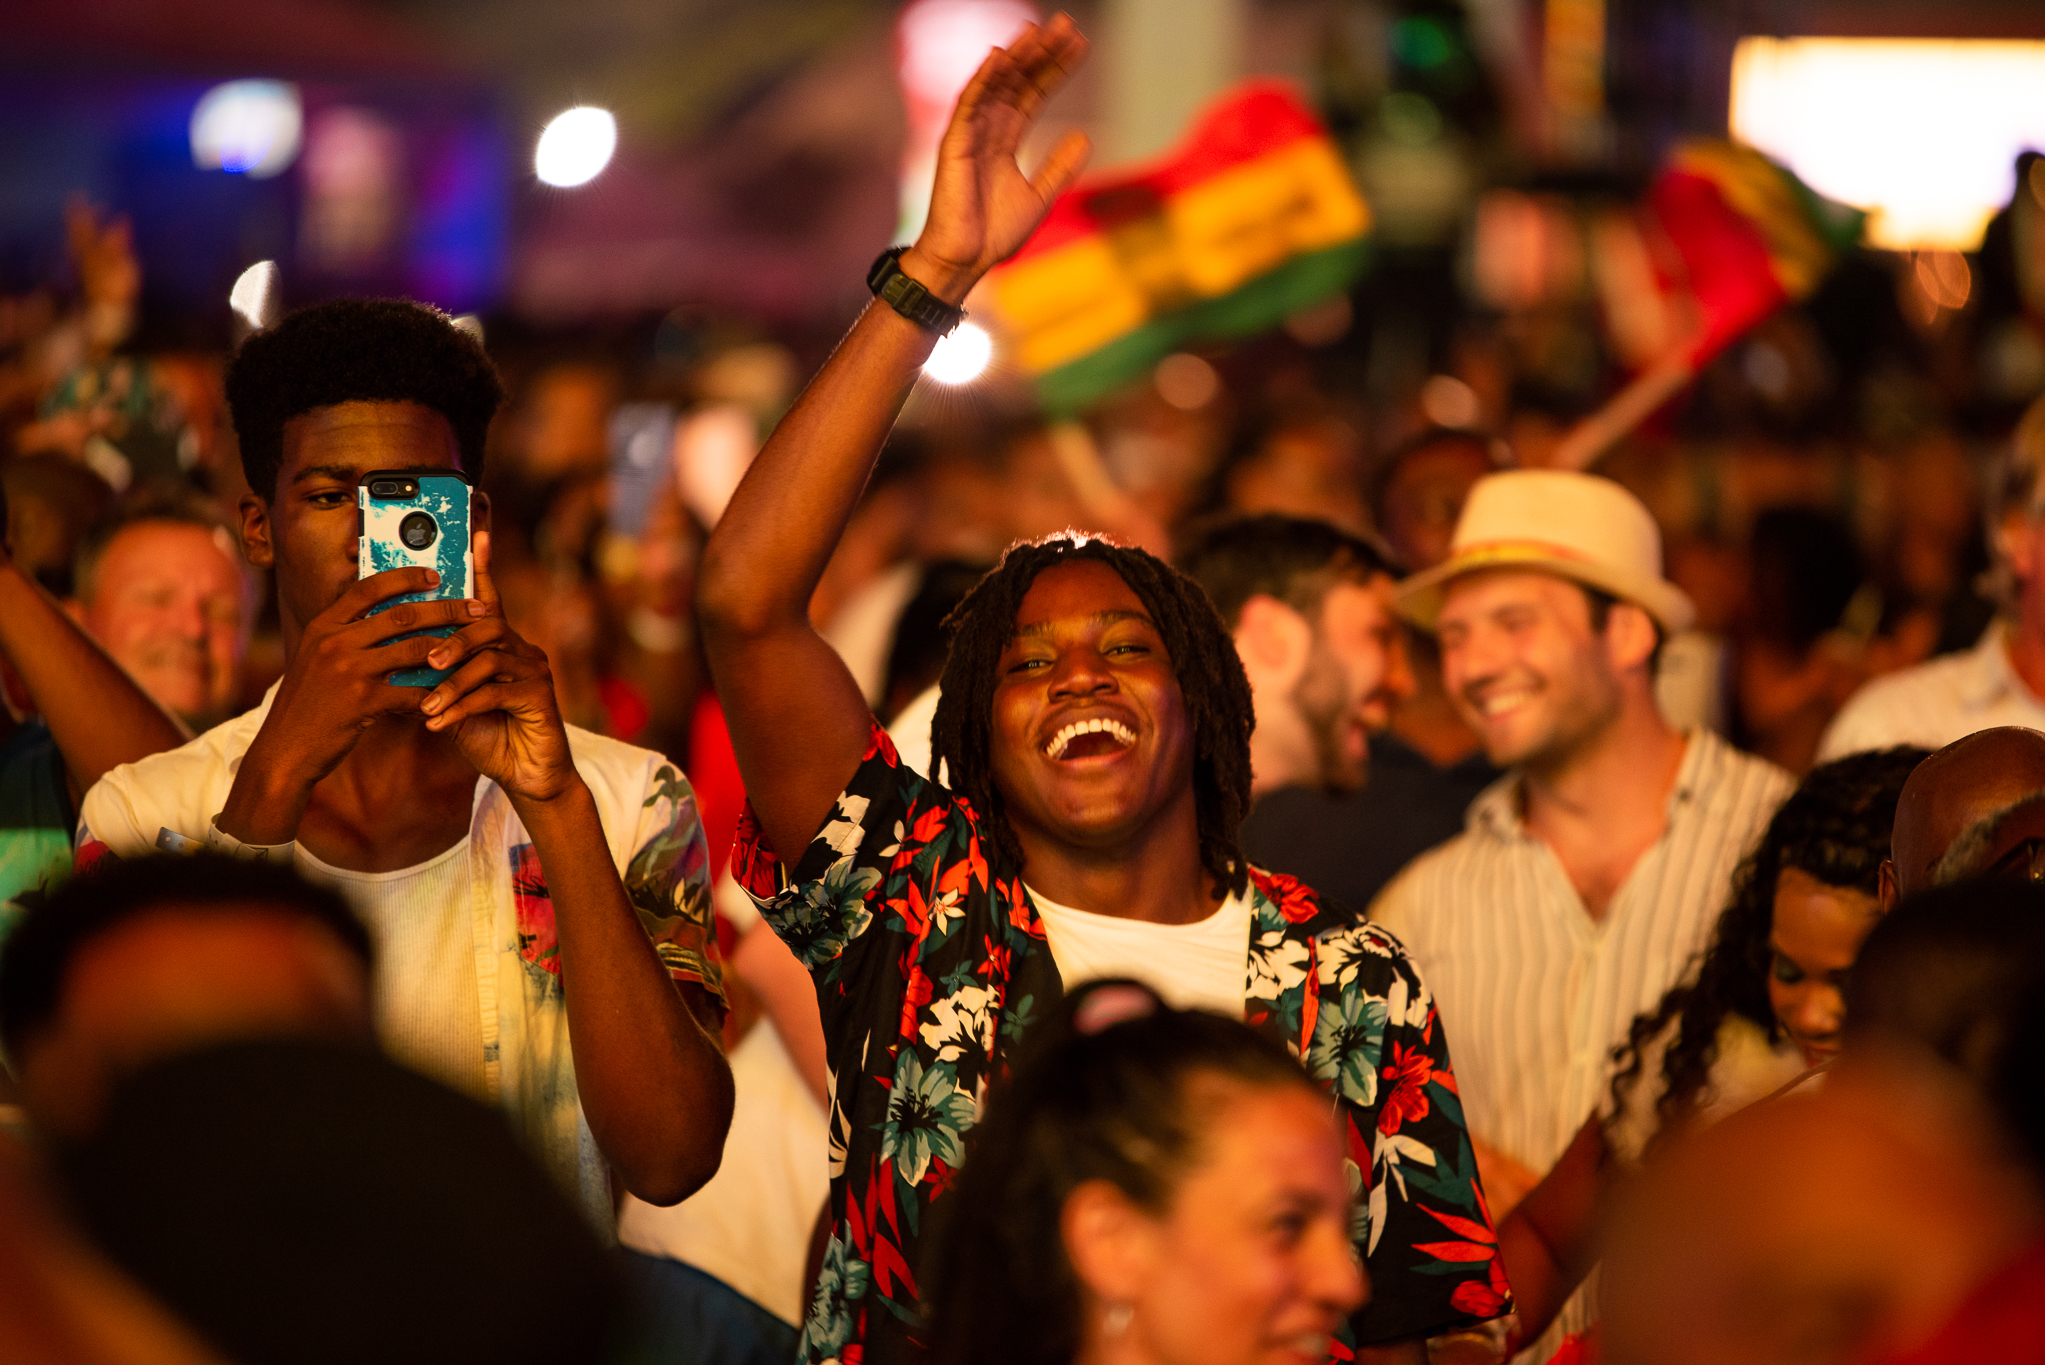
[1411,1351]
[770,548]
[653,1082]
[98,716]
[269,796]
[788,997]
[1547,1242]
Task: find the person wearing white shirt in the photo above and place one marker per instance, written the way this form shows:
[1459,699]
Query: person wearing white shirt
[2001,681]
[1589,876]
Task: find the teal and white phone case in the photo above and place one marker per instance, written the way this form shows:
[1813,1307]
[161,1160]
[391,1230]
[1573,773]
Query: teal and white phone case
[412,520]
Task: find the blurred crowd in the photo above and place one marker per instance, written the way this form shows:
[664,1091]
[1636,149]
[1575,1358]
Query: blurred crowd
[1848,493]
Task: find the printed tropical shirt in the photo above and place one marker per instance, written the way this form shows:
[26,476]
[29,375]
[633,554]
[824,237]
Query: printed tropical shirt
[168,802]
[931,963]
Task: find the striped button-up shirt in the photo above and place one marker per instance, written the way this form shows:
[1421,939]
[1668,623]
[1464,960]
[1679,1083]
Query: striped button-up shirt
[1535,992]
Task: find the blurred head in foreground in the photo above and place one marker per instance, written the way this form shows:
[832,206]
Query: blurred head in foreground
[1159,1185]
[1829,1226]
[299,1203]
[136,961]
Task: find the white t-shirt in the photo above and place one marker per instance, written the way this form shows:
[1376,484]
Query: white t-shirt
[428,1009]
[1200,966]
[750,1226]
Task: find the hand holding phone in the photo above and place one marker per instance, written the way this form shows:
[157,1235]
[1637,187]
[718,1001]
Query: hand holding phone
[416,520]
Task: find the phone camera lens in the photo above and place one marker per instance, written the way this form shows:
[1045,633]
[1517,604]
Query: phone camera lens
[418,531]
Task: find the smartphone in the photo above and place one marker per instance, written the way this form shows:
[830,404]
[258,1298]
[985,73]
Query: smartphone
[414,520]
[642,435]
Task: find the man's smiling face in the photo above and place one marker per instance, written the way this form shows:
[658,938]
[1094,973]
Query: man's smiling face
[1091,738]
[308,530]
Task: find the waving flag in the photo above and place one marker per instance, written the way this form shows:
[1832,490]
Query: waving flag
[1252,218]
[1750,235]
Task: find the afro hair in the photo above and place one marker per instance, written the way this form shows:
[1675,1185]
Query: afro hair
[358,351]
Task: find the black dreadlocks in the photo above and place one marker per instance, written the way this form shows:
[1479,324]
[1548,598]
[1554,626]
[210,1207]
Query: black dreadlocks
[1211,679]
[1835,826]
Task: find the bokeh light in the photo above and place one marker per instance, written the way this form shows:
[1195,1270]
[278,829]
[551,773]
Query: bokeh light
[962,356]
[1186,381]
[250,128]
[1922,134]
[257,296]
[576,146]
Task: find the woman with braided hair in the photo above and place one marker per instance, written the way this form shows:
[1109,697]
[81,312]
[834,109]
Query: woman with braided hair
[1095,726]
[1765,1006]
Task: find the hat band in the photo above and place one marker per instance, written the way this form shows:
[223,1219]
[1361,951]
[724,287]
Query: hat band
[1519,549]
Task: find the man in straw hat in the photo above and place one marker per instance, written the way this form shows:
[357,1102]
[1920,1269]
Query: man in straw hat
[1588,875]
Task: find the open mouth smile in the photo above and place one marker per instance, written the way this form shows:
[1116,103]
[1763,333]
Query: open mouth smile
[1093,738]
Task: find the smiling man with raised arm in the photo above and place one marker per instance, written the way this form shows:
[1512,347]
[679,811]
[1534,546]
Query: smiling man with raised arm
[538,894]
[1095,726]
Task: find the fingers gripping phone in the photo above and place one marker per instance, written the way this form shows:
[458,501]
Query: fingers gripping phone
[415,520]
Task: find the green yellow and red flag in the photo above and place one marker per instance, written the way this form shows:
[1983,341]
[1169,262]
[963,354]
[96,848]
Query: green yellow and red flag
[1252,218]
[1750,236]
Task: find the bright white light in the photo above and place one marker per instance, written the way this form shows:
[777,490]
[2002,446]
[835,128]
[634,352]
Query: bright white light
[1922,134]
[258,294]
[250,128]
[943,42]
[576,146]
[961,357]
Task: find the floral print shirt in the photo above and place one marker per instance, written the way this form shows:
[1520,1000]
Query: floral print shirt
[930,964]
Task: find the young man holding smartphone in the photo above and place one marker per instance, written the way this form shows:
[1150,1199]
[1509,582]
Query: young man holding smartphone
[538,894]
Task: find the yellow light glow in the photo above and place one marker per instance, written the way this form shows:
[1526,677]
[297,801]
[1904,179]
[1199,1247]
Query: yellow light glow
[1922,134]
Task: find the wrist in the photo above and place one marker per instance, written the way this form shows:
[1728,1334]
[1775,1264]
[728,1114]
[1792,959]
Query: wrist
[553,801]
[947,282]
[267,800]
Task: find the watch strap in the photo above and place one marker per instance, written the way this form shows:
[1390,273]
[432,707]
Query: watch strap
[909,298]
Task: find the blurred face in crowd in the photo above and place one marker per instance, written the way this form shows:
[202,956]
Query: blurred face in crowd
[2023,546]
[1817,932]
[1091,738]
[308,531]
[1323,686]
[1424,497]
[1527,669]
[171,603]
[1251,1260]
[174,978]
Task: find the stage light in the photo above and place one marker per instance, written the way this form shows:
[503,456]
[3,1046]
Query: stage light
[576,146]
[962,356]
[247,128]
[1924,135]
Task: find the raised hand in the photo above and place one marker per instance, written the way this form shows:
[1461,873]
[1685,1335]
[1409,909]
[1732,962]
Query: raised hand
[983,208]
[500,704]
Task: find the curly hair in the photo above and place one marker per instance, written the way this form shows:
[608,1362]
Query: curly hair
[1835,826]
[1101,1092]
[1211,679]
[358,351]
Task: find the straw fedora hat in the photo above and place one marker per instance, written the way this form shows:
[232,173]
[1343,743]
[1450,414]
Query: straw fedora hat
[1577,526]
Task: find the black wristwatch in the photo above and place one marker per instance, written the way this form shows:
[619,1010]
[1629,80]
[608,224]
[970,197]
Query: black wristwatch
[909,298]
